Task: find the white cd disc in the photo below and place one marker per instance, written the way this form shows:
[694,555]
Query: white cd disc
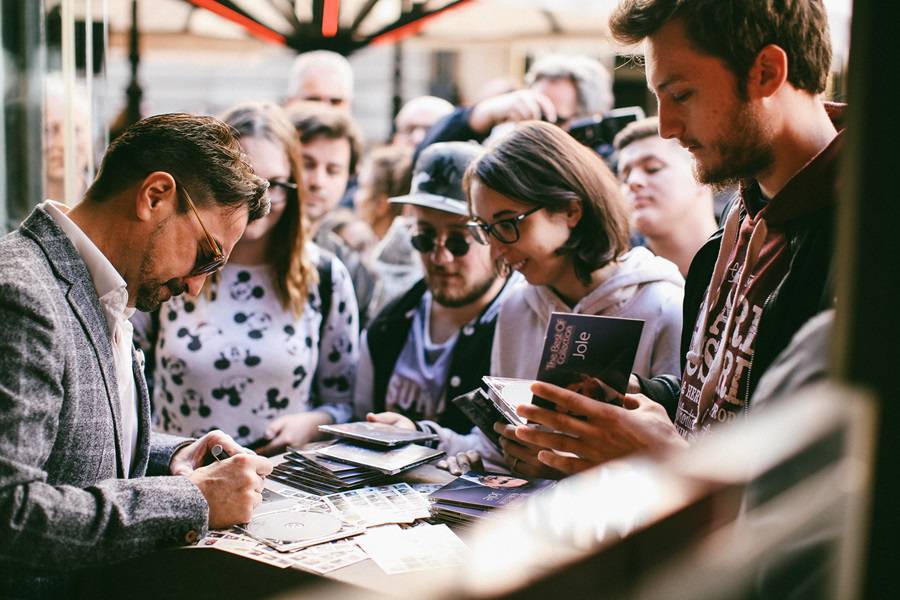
[290,527]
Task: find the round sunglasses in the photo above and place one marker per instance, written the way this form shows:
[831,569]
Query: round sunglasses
[455,243]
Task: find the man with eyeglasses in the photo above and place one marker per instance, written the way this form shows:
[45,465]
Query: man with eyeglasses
[75,436]
[434,343]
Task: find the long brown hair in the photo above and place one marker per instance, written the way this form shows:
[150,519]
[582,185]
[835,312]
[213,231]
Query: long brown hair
[541,165]
[294,273]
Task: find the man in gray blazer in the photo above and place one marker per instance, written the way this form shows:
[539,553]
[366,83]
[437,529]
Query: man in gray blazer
[172,197]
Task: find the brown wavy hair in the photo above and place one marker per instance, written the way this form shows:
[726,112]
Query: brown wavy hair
[294,272]
[539,164]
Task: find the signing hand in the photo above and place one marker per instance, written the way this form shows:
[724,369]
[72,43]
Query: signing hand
[232,488]
[293,430]
[197,454]
[391,418]
[607,432]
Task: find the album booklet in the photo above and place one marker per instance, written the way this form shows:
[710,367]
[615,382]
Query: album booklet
[589,354]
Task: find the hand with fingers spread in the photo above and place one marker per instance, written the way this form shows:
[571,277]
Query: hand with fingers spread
[463,462]
[391,418]
[521,105]
[294,431]
[232,488]
[522,457]
[199,453]
[596,432]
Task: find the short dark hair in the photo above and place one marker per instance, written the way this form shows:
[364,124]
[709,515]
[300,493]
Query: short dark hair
[636,131]
[736,30]
[391,172]
[542,165]
[201,153]
[315,119]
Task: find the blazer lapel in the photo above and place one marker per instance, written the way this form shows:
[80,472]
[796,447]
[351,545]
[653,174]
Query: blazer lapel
[84,302]
[142,452]
[82,296]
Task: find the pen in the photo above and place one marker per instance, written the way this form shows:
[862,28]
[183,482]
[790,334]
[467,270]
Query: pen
[217,451]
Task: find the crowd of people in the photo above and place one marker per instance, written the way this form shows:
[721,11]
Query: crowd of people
[276,276]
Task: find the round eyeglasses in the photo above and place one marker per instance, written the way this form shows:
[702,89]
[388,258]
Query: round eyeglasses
[505,231]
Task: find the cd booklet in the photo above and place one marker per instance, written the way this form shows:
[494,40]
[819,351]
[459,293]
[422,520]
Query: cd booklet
[589,354]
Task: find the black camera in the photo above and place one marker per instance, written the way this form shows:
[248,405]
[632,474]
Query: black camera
[598,132]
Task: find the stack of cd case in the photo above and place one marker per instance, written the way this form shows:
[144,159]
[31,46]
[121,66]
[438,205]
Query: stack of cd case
[309,472]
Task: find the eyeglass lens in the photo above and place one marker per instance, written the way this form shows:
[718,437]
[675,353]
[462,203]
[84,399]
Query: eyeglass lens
[455,243]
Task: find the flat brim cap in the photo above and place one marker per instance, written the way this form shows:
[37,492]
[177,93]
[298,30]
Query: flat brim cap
[442,203]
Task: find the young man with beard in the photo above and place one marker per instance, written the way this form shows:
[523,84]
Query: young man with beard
[434,342]
[171,199]
[738,85]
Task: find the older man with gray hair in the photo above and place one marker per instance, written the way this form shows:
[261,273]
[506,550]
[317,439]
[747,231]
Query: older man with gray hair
[561,89]
[321,76]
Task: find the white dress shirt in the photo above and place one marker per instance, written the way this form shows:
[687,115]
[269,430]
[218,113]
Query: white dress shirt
[113,295]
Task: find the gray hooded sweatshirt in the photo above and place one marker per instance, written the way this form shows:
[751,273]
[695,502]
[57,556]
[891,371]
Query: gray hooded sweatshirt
[643,287]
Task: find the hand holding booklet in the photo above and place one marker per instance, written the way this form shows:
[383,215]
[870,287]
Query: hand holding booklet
[589,354]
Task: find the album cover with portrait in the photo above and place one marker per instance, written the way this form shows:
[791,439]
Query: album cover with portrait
[485,491]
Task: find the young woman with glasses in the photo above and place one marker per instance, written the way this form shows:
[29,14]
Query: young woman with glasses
[551,210]
[254,355]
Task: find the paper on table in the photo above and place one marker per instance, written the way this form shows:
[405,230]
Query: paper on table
[414,549]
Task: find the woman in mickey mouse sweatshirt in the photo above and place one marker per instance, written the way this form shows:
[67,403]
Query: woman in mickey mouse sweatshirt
[254,355]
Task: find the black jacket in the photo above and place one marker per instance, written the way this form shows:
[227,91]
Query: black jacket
[805,290]
[471,358]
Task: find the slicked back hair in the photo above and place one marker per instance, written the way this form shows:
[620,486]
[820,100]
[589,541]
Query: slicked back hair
[201,153]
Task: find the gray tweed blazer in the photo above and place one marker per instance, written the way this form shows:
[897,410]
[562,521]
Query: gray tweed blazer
[66,500]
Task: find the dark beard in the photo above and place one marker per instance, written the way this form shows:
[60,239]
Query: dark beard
[742,155]
[476,292]
[148,292]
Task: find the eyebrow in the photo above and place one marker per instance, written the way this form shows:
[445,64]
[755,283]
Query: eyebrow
[666,83]
[502,213]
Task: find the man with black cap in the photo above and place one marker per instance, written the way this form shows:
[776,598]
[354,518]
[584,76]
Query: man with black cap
[434,342]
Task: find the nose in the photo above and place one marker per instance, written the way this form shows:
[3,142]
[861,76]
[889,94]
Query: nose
[670,125]
[498,250]
[635,180]
[195,284]
[313,178]
[440,255]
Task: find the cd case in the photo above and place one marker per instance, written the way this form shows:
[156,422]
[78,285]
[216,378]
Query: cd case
[379,434]
[387,461]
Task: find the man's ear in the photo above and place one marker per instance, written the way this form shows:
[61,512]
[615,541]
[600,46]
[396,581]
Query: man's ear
[768,72]
[157,197]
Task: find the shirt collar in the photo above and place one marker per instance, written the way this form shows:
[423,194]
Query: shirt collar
[111,287]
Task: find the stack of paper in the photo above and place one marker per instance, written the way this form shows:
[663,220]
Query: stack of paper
[373,506]
[426,546]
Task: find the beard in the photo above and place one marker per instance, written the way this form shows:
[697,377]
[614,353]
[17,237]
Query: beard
[149,292]
[453,295]
[742,152]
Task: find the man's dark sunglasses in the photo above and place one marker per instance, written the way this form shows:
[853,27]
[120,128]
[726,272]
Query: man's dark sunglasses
[213,259]
[455,243]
